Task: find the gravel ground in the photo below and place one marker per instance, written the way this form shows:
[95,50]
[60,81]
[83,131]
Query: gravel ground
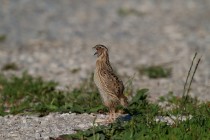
[52,125]
[54,40]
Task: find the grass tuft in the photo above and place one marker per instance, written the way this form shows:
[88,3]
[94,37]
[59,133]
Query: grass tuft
[155,72]
[129,11]
[189,79]
[10,66]
[3,38]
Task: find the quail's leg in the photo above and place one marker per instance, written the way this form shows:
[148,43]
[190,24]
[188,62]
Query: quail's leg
[112,115]
[110,118]
[107,120]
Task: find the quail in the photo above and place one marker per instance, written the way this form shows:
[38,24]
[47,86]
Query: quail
[109,85]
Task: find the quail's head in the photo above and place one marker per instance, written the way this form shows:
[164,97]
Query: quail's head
[100,49]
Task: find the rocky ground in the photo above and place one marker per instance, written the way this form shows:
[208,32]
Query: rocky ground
[32,127]
[54,40]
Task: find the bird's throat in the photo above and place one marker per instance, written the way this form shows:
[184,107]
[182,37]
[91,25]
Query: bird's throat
[104,58]
[103,63]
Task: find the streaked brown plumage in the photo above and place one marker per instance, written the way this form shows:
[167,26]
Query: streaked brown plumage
[109,85]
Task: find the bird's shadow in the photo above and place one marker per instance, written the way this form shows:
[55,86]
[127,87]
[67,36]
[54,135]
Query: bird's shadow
[125,117]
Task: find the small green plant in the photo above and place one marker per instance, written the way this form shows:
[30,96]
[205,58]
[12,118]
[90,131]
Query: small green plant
[75,70]
[129,11]
[192,74]
[2,38]
[155,72]
[10,66]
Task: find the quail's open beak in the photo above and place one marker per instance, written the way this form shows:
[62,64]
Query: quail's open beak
[95,50]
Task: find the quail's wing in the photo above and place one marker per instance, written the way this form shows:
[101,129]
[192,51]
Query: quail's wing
[112,84]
